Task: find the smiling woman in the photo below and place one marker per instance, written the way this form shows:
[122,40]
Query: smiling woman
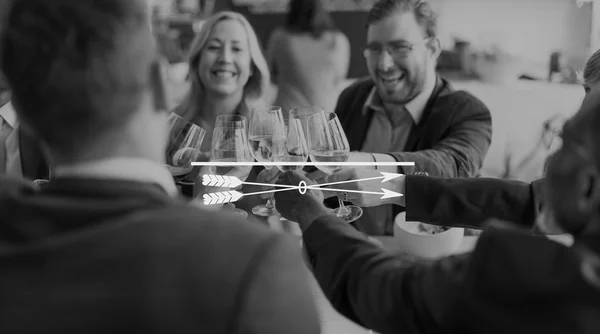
[227,70]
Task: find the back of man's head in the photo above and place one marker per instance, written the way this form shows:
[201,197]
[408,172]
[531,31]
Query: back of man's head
[423,11]
[78,69]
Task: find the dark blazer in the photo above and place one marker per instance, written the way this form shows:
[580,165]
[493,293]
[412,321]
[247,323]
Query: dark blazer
[451,139]
[513,282]
[113,256]
[33,162]
[468,202]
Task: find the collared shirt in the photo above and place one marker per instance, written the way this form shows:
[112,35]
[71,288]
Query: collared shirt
[122,168]
[389,131]
[11,160]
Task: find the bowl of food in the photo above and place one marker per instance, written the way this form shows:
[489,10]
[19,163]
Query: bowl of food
[424,240]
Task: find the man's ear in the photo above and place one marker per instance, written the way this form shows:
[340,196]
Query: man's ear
[435,47]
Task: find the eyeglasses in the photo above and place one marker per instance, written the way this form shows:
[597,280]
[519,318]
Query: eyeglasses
[396,49]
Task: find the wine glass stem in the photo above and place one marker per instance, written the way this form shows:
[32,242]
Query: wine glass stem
[269,203]
[342,210]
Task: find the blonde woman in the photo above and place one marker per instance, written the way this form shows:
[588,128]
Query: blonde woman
[228,72]
[229,76]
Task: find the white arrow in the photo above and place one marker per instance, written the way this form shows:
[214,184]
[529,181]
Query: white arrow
[384,178]
[224,181]
[390,194]
[389,176]
[222,197]
[385,194]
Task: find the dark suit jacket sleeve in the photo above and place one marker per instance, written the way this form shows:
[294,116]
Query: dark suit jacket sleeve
[380,291]
[277,297]
[468,202]
[463,147]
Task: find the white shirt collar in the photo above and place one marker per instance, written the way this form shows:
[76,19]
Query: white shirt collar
[122,168]
[415,107]
[9,115]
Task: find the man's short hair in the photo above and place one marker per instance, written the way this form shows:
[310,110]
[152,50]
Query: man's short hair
[76,68]
[424,13]
[591,71]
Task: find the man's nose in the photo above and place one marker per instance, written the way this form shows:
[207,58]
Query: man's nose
[385,61]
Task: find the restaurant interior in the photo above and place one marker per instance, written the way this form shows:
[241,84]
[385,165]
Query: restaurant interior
[522,60]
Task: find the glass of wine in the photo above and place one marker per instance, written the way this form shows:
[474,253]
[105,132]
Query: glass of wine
[327,143]
[266,130]
[303,114]
[185,142]
[237,121]
[230,144]
[293,150]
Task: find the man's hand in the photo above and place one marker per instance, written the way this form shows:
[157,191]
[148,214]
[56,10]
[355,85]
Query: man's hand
[268,176]
[294,206]
[365,200]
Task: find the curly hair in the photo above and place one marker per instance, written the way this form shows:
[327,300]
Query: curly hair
[423,11]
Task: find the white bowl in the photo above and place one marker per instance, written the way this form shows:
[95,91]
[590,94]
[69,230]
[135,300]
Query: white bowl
[423,245]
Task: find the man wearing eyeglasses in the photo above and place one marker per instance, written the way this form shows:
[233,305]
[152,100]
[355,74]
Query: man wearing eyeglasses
[404,111]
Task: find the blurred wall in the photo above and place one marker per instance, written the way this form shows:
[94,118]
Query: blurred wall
[530,29]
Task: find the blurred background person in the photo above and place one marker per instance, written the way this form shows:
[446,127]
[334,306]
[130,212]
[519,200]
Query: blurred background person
[309,57]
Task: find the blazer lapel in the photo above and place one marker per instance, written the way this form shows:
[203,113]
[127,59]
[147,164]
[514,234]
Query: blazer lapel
[33,164]
[416,131]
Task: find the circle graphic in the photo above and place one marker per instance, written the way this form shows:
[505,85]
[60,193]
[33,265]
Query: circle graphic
[302,187]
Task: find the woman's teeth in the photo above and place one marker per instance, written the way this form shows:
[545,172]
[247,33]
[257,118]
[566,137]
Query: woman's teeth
[223,74]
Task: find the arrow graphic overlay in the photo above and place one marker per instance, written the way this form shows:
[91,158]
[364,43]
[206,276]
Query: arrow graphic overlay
[312,163]
[225,181]
[384,194]
[222,197]
[384,178]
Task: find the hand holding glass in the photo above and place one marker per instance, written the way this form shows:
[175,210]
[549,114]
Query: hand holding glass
[327,142]
[185,142]
[266,130]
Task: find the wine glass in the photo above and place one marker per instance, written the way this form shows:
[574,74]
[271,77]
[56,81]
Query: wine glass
[230,144]
[327,142]
[303,114]
[231,121]
[185,142]
[293,149]
[266,129]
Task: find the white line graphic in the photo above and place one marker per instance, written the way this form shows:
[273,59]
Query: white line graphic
[275,164]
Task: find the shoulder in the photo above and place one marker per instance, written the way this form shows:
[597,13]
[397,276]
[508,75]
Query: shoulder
[206,231]
[341,40]
[461,101]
